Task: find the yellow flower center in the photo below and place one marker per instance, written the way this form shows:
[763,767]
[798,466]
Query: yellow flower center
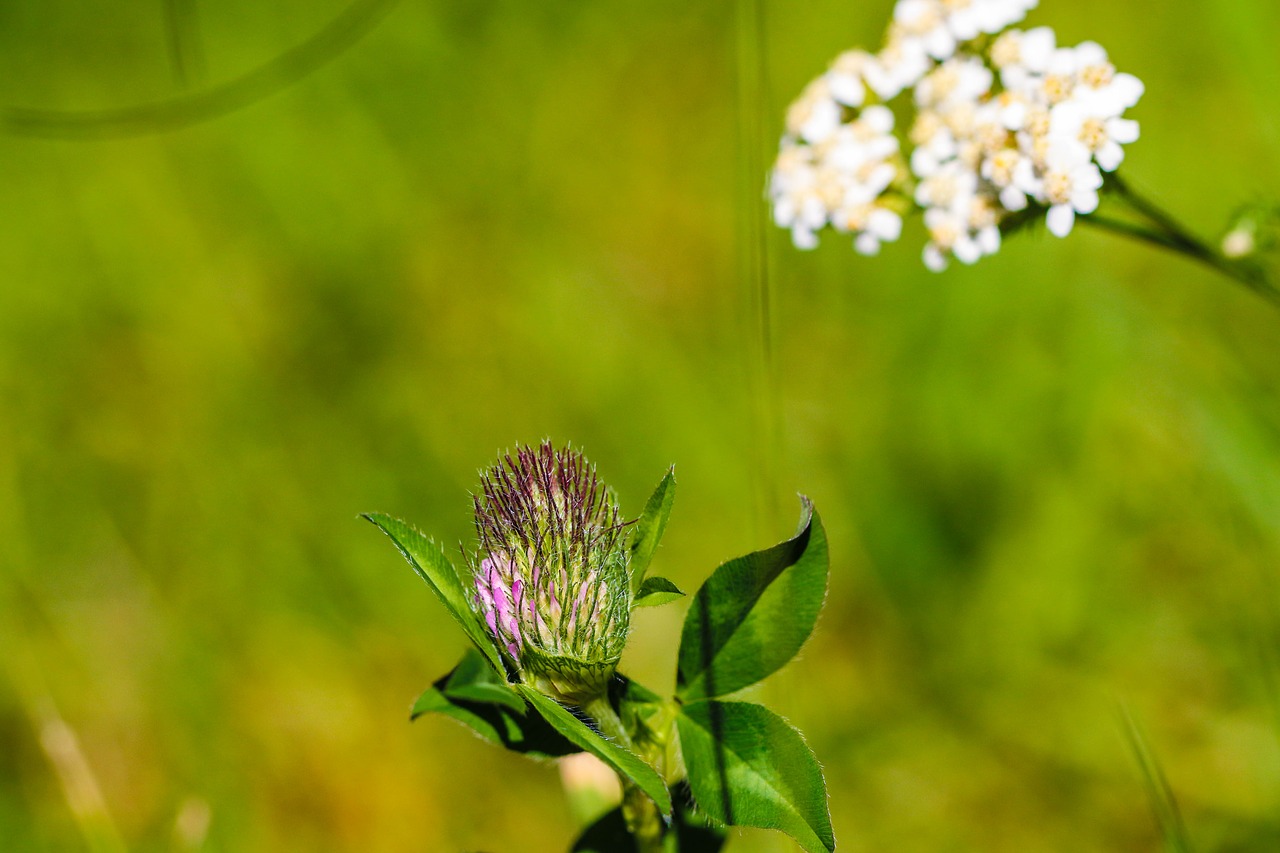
[927,125]
[1007,50]
[1057,88]
[1094,134]
[944,235]
[1057,187]
[1002,165]
[1097,76]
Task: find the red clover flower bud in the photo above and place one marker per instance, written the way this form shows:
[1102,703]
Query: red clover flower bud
[551,571]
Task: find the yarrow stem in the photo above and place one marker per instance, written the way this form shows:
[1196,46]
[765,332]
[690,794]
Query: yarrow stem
[1162,229]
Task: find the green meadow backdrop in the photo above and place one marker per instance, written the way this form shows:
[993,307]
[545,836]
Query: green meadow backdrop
[436,228]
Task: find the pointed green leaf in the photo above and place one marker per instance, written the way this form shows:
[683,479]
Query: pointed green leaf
[621,760]
[754,613]
[656,591]
[473,680]
[434,567]
[488,721]
[748,767]
[501,721]
[650,527]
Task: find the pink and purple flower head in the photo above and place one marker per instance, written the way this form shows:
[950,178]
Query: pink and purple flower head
[551,570]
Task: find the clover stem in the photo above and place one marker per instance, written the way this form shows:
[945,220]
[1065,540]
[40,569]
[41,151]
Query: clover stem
[644,822]
[1163,230]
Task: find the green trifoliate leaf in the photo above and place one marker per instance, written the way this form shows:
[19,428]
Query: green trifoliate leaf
[754,613]
[621,760]
[434,567]
[655,591]
[748,767]
[501,717]
[649,529]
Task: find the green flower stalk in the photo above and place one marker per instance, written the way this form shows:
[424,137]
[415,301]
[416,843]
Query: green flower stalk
[551,576]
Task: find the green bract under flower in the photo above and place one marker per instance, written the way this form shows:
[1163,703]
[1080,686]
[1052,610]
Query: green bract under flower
[551,571]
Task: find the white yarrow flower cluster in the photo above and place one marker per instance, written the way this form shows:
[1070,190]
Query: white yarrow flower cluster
[1005,125]
[941,26]
[835,168]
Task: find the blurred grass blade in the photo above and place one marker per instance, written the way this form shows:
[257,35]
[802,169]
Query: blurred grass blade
[289,67]
[1163,803]
[754,141]
[435,568]
[182,29]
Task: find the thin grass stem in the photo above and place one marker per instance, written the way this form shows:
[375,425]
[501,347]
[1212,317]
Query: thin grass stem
[182,31]
[340,34]
[754,267]
[1163,802]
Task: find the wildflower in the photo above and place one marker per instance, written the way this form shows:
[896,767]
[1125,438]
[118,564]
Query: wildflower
[1101,135]
[846,80]
[551,571]
[816,115]
[924,22]
[840,181]
[966,229]
[959,81]
[1017,53]
[1070,186]
[797,195]
[898,66]
[1004,125]
[873,225]
[951,187]
[1109,92]
[940,26]
[1004,170]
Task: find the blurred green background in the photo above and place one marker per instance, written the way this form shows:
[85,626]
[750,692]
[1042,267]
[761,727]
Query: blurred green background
[1051,482]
